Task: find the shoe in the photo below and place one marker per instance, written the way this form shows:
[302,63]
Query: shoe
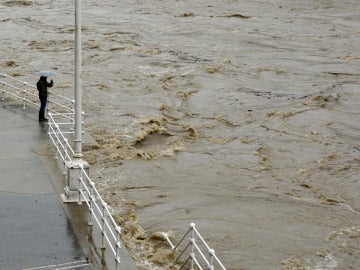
[42,116]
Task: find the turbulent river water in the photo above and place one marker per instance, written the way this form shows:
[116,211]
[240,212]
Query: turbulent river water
[240,116]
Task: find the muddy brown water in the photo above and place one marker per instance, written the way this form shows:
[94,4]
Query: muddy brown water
[240,116]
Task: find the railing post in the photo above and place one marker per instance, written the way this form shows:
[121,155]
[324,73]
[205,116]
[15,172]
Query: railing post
[65,156]
[212,254]
[103,218]
[118,246]
[56,139]
[80,183]
[91,199]
[192,240]
[24,97]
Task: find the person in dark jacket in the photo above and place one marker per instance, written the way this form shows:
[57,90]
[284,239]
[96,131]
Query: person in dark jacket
[42,86]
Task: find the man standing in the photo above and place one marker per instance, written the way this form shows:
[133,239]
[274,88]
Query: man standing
[42,86]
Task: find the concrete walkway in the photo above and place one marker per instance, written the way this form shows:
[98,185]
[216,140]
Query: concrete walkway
[37,231]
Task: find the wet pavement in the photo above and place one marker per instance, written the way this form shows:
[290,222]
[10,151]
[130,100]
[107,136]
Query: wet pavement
[34,229]
[37,231]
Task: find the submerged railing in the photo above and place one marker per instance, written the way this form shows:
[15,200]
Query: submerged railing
[192,250]
[199,255]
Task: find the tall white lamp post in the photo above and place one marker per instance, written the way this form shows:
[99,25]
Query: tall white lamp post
[78,102]
[75,167]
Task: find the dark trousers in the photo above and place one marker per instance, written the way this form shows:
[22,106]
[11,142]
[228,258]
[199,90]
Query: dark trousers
[43,101]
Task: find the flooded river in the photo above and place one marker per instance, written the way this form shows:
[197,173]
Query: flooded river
[240,116]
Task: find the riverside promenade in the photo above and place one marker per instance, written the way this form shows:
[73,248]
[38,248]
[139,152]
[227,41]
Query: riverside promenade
[38,231]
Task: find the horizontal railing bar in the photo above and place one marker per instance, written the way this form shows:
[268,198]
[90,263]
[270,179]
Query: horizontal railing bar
[60,105]
[12,86]
[200,252]
[196,261]
[182,239]
[14,79]
[59,152]
[219,262]
[63,114]
[19,97]
[97,220]
[66,116]
[58,142]
[24,91]
[98,209]
[110,244]
[110,216]
[66,153]
[108,226]
[201,238]
[181,253]
[62,124]
[65,98]
[85,186]
[69,132]
[182,266]
[84,197]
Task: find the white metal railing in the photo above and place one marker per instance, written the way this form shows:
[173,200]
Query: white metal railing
[60,142]
[28,93]
[199,255]
[87,192]
[99,212]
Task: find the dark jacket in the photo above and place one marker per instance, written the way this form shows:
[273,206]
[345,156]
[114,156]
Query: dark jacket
[42,86]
